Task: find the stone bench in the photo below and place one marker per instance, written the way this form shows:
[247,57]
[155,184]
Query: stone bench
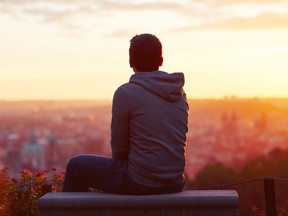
[189,202]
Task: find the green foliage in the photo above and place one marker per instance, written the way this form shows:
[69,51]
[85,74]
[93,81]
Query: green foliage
[284,210]
[215,174]
[20,196]
[6,185]
[247,180]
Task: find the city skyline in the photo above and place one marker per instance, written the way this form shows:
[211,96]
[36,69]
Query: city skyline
[224,127]
[79,50]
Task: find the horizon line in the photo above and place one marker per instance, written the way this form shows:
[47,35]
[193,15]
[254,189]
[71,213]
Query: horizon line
[225,97]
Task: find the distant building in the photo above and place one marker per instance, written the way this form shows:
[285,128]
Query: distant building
[33,155]
[229,124]
[52,156]
[12,154]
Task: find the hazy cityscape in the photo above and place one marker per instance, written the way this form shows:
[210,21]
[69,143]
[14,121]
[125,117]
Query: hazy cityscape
[41,135]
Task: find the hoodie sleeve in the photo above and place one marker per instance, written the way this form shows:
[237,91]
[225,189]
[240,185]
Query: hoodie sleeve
[120,133]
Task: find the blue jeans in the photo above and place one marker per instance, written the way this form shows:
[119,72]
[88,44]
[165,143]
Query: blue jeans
[108,175]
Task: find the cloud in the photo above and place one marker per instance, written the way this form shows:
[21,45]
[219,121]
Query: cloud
[199,14]
[262,21]
[123,33]
[225,3]
[234,15]
[133,7]
[67,8]
[74,14]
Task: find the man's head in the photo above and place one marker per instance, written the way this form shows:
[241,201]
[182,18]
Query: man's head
[145,53]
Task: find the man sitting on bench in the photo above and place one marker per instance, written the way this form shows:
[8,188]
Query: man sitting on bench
[148,131]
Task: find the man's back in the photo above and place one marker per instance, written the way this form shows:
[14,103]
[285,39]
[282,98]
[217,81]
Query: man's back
[156,108]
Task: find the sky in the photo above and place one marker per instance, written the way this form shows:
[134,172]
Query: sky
[75,49]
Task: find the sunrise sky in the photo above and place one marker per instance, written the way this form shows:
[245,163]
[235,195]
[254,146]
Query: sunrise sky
[78,49]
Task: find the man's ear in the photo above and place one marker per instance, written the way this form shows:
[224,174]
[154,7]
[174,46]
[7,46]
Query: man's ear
[161,61]
[131,63]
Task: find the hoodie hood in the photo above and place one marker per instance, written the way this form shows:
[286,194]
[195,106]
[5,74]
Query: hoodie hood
[165,85]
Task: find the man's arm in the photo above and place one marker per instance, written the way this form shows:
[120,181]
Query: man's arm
[120,133]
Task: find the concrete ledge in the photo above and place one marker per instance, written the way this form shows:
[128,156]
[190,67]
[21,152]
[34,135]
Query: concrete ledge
[189,202]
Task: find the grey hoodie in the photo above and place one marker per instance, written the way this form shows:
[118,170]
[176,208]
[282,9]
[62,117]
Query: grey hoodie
[149,126]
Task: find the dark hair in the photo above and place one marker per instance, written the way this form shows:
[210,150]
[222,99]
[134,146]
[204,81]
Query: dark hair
[145,52]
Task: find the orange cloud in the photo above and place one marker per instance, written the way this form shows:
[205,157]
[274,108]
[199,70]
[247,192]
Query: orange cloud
[221,3]
[262,21]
